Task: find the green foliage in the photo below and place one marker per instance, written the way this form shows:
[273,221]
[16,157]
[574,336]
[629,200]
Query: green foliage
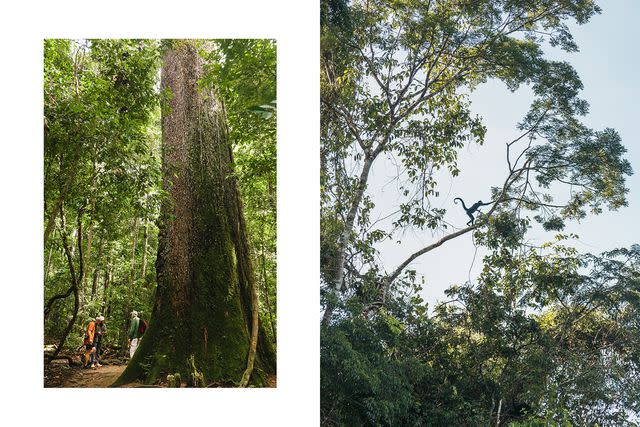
[102,169]
[395,84]
[544,335]
[555,342]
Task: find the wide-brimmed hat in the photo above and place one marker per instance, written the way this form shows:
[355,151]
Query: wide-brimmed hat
[100,318]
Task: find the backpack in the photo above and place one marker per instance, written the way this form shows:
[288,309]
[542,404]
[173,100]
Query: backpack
[88,339]
[142,327]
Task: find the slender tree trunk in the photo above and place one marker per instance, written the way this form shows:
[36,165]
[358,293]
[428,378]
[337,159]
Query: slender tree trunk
[105,286]
[338,284]
[267,301]
[75,279]
[88,261]
[87,258]
[132,282]
[96,271]
[144,250]
[73,287]
[246,376]
[51,221]
[48,266]
[205,303]
[265,287]
[133,250]
[73,237]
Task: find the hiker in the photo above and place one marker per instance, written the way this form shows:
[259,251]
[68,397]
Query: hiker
[134,333]
[89,345]
[100,330]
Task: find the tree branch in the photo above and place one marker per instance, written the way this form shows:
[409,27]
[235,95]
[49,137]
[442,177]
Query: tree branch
[390,278]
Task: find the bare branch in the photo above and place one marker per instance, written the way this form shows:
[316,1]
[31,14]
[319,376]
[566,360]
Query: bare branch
[394,275]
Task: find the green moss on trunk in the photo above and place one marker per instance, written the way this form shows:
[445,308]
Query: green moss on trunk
[202,304]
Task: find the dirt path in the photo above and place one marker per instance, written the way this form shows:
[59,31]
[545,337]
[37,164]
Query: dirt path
[103,376]
[63,375]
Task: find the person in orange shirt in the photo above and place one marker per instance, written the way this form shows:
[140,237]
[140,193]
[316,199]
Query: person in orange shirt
[88,345]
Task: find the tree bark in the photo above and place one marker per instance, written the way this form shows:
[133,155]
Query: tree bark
[251,358]
[75,280]
[133,250]
[86,254]
[265,286]
[205,299]
[132,279]
[105,285]
[51,221]
[338,284]
[96,271]
[87,258]
[48,266]
[144,250]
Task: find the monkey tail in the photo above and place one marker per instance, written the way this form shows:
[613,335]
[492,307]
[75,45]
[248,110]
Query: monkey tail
[461,201]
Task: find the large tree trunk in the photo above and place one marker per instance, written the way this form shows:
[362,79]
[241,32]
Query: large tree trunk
[203,304]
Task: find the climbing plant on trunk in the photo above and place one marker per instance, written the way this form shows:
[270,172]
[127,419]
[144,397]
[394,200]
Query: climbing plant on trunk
[205,312]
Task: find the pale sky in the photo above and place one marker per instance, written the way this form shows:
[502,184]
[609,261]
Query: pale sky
[607,64]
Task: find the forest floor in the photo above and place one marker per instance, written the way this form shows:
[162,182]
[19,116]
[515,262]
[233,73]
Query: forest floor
[59,373]
[103,376]
[272,381]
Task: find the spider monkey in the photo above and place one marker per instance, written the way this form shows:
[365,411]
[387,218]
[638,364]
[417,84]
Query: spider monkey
[471,209]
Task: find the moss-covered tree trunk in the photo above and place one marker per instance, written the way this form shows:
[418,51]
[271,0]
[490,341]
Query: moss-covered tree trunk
[203,305]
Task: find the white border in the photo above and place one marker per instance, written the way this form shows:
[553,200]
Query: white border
[295,26]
